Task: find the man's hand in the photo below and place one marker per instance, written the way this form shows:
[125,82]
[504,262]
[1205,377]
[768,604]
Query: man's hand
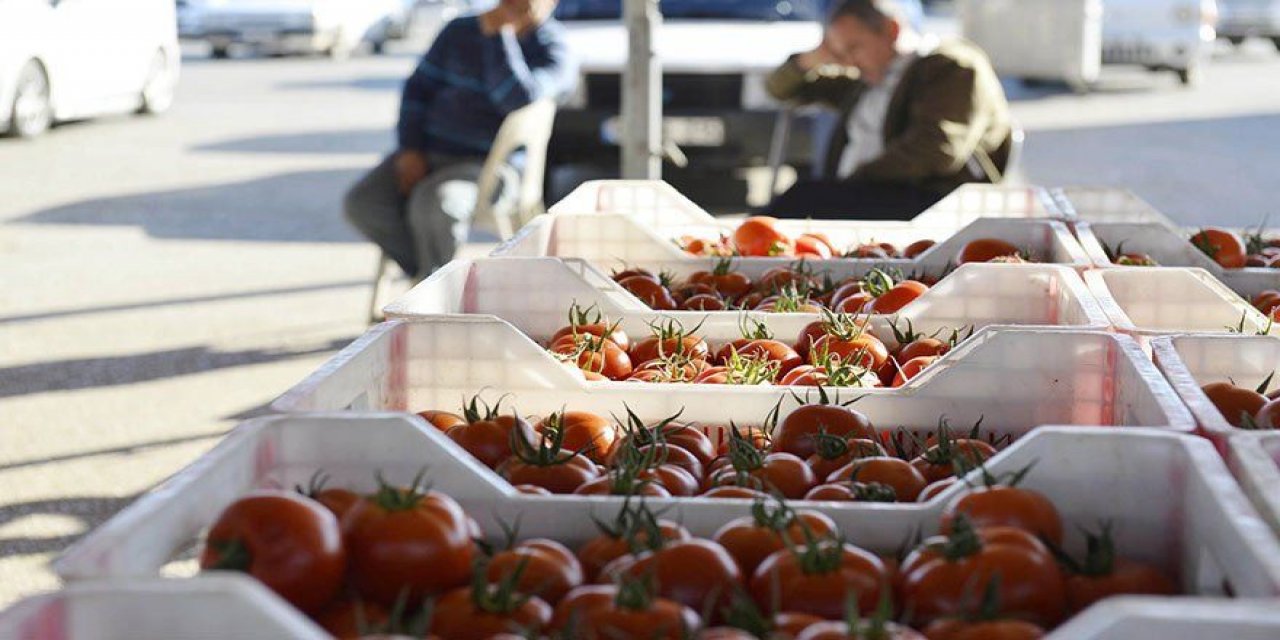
[411,167]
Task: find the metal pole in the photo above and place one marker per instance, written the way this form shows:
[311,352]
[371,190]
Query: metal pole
[642,94]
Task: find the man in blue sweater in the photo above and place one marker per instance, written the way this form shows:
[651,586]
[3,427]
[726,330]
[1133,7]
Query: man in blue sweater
[417,203]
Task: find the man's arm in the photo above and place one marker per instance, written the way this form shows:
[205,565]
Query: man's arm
[807,80]
[512,83]
[944,129]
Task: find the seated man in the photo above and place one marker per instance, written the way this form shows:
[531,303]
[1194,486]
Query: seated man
[417,203]
[918,118]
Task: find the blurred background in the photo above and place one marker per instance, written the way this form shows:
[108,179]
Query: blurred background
[166,273]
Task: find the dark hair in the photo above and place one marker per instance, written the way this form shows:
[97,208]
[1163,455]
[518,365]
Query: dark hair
[873,13]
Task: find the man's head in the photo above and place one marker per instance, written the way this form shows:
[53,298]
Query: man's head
[533,11]
[863,34]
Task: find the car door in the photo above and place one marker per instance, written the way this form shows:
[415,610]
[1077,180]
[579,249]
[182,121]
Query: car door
[80,57]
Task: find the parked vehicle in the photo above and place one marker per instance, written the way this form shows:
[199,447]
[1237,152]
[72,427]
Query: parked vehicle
[72,59]
[715,57]
[333,27]
[1240,19]
[1173,35]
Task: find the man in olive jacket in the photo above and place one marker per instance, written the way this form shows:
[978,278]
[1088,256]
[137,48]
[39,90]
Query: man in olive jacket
[918,116]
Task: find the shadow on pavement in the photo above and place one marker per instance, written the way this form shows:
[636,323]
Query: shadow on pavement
[89,510]
[1212,171]
[90,373]
[361,141]
[133,448]
[371,83]
[289,207]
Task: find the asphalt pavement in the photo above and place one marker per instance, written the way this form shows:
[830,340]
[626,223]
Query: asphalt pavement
[164,278]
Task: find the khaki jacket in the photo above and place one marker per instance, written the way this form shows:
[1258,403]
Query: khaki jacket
[948,108]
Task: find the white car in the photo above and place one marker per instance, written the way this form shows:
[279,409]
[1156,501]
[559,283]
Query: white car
[334,27]
[72,59]
[1241,19]
[1174,35]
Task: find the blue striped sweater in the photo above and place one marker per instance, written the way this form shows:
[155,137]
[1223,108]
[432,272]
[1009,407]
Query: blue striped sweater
[468,82]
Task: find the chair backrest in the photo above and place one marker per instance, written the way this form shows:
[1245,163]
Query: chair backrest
[528,127]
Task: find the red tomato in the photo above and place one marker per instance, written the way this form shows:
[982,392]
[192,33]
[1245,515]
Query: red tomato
[940,459]
[728,283]
[922,347]
[912,368]
[918,247]
[750,539]
[902,294]
[354,619]
[808,246]
[599,329]
[441,420]
[862,349]
[626,612]
[554,469]
[1006,506]
[290,543]
[696,573]
[985,250]
[960,629]
[865,629]
[758,236]
[703,302]
[669,454]
[488,438]
[649,292]
[1224,246]
[898,474]
[466,613]
[781,473]
[587,432]
[798,432]
[773,350]
[834,452]
[654,348]
[407,543]
[594,354]
[613,541]
[1237,405]
[547,568]
[947,576]
[819,579]
[673,433]
[740,493]
[936,487]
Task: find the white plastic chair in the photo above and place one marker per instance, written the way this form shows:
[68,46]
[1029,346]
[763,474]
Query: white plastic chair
[527,128]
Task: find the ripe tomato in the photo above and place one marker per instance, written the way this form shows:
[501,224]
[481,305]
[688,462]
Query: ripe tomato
[669,454]
[918,247]
[549,570]
[960,629]
[798,432]
[354,619]
[593,354]
[947,576]
[750,539]
[649,292]
[782,473]
[1267,301]
[939,460]
[734,491]
[703,302]
[808,246]
[852,492]
[819,578]
[481,612]
[611,332]
[337,501]
[1125,577]
[936,487]
[634,271]
[898,474]
[441,420]
[532,490]
[587,432]
[832,630]
[1224,246]
[697,573]
[290,543]
[728,283]
[922,347]
[615,483]
[834,452]
[758,236]
[626,612]
[488,438]
[1006,506]
[839,323]
[408,543]
[1237,405]
[612,542]
[862,349]
[1268,417]
[985,250]
[912,368]
[779,352]
[556,470]
[673,433]
[655,347]
[902,294]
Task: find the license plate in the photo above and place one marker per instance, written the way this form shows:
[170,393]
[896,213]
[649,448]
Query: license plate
[683,131]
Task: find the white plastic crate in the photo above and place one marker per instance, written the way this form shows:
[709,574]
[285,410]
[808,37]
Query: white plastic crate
[1014,379]
[657,203]
[1192,361]
[1253,458]
[1151,618]
[215,607]
[1098,204]
[535,294]
[612,240]
[1170,247]
[1152,301]
[1170,497]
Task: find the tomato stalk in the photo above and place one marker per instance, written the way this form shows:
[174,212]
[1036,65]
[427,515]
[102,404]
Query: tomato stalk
[818,554]
[877,282]
[1099,556]
[750,370]
[315,484]
[471,411]
[392,498]
[752,329]
[549,450]
[742,612]
[724,267]
[963,541]
[233,555]
[502,597]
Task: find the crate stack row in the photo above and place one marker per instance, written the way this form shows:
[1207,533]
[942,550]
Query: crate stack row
[1087,372]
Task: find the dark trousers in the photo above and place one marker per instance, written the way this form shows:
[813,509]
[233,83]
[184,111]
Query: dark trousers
[851,200]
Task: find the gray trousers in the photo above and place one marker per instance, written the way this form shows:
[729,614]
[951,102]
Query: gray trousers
[420,232]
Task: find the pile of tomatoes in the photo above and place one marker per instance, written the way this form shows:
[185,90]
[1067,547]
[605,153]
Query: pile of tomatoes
[411,561]
[836,350]
[1268,302]
[821,450]
[794,288]
[1232,250]
[1246,408]
[759,236]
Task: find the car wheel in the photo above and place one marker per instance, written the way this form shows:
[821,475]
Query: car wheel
[1190,76]
[1235,40]
[32,112]
[220,52]
[1275,41]
[157,93]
